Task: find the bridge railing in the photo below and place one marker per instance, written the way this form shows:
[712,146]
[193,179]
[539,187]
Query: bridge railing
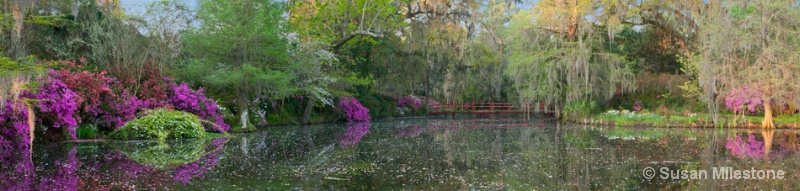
[486,107]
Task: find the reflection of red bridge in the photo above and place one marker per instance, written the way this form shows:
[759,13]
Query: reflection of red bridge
[487,123]
[489,109]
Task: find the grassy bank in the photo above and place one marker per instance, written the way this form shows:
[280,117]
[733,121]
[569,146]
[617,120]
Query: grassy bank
[629,118]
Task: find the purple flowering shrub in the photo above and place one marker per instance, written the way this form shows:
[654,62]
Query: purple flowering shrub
[120,109]
[355,131]
[354,110]
[410,101]
[56,106]
[744,97]
[185,99]
[14,128]
[637,105]
[742,149]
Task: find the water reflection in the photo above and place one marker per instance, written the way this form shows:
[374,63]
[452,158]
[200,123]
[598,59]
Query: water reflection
[144,164]
[355,131]
[414,154]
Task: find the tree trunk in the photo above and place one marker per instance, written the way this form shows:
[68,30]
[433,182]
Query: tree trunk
[17,47]
[243,118]
[32,125]
[242,104]
[307,112]
[767,122]
[558,111]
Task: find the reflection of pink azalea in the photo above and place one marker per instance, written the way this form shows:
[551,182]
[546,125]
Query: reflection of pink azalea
[65,178]
[411,132]
[741,149]
[197,169]
[17,171]
[355,131]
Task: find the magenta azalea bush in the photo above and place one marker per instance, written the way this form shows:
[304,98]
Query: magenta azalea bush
[637,105]
[410,102]
[354,110]
[744,97]
[185,99]
[69,96]
[121,109]
[58,101]
[56,106]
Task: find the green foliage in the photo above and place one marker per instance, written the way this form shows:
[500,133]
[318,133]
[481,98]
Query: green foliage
[161,124]
[645,50]
[9,67]
[627,118]
[166,156]
[87,131]
[246,58]
[559,69]
[581,109]
[51,20]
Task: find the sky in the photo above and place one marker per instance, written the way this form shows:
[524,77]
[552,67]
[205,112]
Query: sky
[137,7]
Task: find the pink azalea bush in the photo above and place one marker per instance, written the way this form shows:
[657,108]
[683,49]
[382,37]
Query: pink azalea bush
[410,101]
[121,109]
[744,97]
[185,99]
[637,105]
[354,110]
[56,106]
[71,95]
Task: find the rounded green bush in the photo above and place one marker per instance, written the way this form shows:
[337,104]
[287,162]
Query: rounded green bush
[161,124]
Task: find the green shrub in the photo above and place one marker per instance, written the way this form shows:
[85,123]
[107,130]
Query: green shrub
[161,124]
[87,131]
[580,109]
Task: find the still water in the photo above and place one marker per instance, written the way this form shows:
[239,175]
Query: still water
[419,154]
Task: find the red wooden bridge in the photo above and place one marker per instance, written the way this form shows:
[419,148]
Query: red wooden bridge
[491,108]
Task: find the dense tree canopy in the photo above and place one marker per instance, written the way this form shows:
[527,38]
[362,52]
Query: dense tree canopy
[284,58]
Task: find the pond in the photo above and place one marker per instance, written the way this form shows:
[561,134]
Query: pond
[422,154]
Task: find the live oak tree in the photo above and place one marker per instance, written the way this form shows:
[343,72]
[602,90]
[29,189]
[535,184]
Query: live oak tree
[750,43]
[557,57]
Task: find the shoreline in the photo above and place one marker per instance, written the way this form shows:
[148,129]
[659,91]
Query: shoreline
[676,124]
